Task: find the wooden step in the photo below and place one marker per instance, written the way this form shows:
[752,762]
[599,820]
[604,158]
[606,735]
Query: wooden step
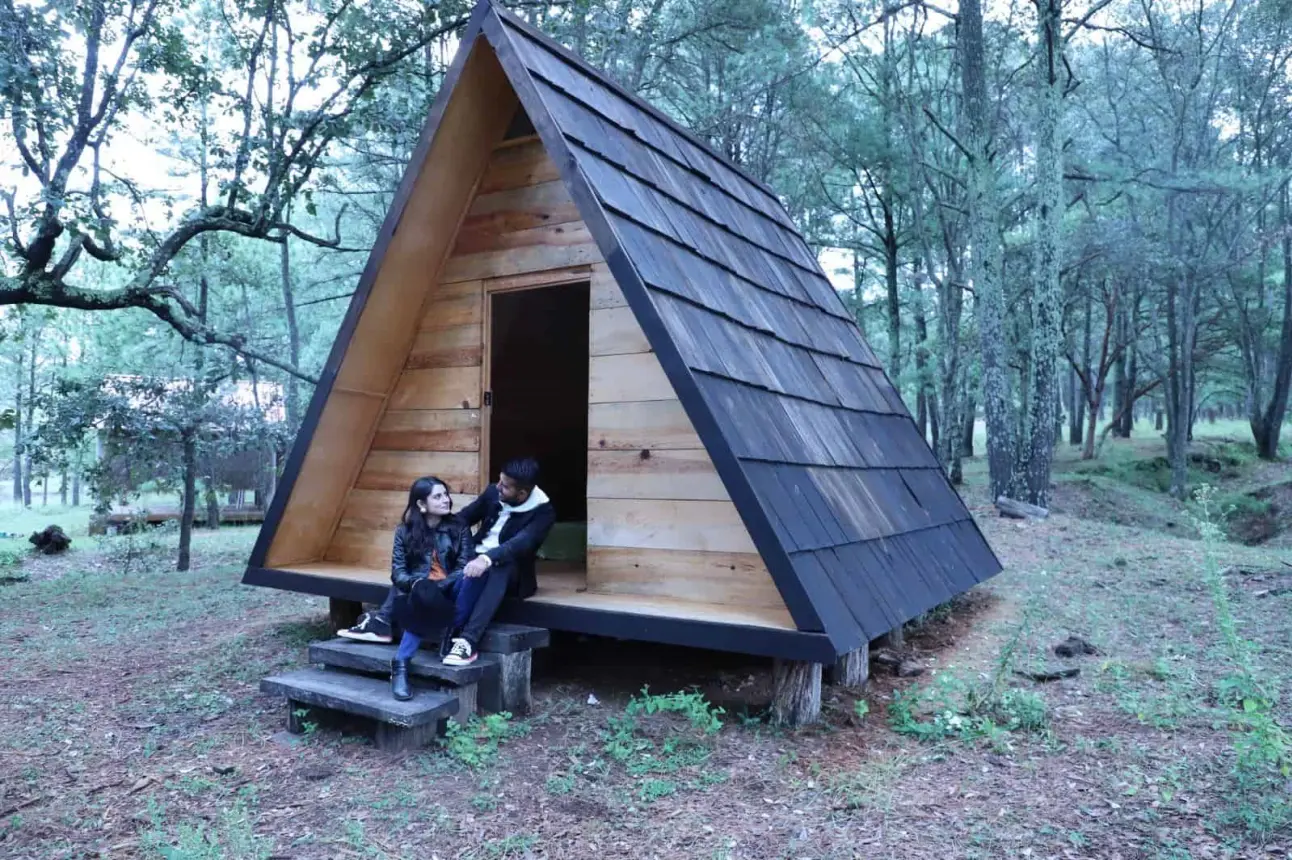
[400,725]
[514,638]
[371,657]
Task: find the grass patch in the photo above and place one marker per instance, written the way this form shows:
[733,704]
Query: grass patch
[657,736]
[476,743]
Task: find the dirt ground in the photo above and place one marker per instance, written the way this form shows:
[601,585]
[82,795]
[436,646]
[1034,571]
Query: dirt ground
[131,724]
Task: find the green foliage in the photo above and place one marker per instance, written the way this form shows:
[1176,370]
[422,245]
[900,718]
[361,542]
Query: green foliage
[231,837]
[476,743]
[951,706]
[682,727]
[1262,746]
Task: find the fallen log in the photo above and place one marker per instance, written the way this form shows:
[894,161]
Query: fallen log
[1017,510]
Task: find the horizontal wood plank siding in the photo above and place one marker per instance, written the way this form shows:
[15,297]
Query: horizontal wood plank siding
[733,579]
[676,474]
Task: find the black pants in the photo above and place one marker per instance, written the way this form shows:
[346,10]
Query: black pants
[476,601]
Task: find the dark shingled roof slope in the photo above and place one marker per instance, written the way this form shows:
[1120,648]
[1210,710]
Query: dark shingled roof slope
[843,497]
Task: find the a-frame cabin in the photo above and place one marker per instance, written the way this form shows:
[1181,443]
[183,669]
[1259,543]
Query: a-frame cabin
[567,272]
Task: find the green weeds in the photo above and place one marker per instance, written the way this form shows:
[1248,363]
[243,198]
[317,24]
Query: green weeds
[1262,747]
[660,736]
[476,743]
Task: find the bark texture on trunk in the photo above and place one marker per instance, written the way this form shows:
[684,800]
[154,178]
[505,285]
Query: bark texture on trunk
[796,696]
[985,260]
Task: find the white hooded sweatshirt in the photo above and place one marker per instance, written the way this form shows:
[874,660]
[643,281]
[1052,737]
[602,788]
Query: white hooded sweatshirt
[490,541]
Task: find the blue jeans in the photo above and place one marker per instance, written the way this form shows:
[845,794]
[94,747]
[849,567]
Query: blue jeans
[475,602]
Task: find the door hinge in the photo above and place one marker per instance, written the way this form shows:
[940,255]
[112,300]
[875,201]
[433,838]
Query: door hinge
[488,398]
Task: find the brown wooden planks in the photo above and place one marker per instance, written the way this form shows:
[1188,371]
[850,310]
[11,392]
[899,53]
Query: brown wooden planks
[623,378]
[739,579]
[605,289]
[614,331]
[453,306]
[654,475]
[555,235]
[518,167]
[656,524]
[438,388]
[546,278]
[636,426]
[475,117]
[455,346]
[515,261]
[396,470]
[335,453]
[428,430]
[519,209]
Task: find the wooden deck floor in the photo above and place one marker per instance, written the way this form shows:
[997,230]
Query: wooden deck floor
[564,584]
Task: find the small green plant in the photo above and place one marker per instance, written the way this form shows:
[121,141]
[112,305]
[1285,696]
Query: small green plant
[986,709]
[515,845]
[308,727]
[1262,747]
[476,743]
[683,727]
[861,707]
[484,802]
[654,789]
[232,837]
[560,784]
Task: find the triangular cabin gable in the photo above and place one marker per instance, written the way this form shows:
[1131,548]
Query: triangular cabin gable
[660,522]
[754,481]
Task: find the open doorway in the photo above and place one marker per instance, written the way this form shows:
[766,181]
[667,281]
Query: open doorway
[537,404]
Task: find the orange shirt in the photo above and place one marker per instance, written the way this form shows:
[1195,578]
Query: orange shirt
[437,570]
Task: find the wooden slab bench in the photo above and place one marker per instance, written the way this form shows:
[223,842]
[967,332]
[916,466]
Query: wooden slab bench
[399,725]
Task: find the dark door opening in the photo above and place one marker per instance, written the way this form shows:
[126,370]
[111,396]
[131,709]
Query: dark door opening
[538,390]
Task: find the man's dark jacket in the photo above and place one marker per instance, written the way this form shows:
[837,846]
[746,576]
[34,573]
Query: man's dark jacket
[522,535]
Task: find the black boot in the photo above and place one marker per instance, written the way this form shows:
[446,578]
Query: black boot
[399,680]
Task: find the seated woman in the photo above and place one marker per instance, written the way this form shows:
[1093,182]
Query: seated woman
[431,549]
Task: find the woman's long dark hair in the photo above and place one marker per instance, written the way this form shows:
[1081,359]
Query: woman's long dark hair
[417,537]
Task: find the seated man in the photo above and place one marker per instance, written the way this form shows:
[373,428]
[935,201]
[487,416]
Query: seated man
[515,516]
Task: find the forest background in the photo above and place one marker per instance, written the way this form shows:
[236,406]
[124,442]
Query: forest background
[1052,219]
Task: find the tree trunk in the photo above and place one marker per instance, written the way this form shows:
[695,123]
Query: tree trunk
[30,418]
[1047,296]
[1271,423]
[971,419]
[62,488]
[190,500]
[17,430]
[1076,407]
[894,305]
[985,259]
[293,338]
[796,697]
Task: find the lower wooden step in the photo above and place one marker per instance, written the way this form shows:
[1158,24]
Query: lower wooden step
[400,725]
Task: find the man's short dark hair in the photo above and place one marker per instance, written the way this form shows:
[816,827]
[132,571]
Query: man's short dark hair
[522,470]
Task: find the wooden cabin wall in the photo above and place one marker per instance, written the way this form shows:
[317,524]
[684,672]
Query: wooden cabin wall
[322,501]
[521,222]
[660,521]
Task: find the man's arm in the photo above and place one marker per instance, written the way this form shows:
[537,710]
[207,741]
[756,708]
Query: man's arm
[527,540]
[473,513]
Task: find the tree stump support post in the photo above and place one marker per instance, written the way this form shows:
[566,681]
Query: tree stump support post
[894,639]
[852,669]
[343,613]
[796,697]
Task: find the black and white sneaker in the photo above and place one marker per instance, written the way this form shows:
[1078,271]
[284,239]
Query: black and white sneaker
[461,654]
[371,628]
